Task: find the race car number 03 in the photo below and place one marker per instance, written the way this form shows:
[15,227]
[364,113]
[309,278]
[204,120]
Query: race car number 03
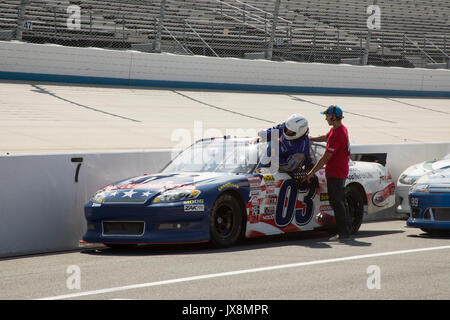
[285,213]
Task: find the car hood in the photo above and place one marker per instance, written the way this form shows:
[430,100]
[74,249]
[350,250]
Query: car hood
[436,177]
[422,168]
[142,188]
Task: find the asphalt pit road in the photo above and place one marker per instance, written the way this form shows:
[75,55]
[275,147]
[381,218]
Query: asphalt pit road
[309,239]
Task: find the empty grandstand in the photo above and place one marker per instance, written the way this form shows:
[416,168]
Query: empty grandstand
[412,33]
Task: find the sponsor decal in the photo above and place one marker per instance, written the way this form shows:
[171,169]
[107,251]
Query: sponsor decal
[254,182]
[255,185]
[228,185]
[195,201]
[379,198]
[254,201]
[194,207]
[358,175]
[270,190]
[271,200]
[269,210]
[267,217]
[324,197]
[96,204]
[269,179]
[325,208]
[253,207]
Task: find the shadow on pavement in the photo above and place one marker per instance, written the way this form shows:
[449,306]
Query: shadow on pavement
[309,239]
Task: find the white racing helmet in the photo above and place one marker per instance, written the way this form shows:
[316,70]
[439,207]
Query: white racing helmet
[297,124]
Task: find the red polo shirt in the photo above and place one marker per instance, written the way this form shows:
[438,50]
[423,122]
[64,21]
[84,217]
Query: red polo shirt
[338,144]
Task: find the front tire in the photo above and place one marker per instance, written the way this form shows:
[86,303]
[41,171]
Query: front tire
[226,222]
[355,208]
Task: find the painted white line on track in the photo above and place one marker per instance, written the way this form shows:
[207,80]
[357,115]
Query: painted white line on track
[233,273]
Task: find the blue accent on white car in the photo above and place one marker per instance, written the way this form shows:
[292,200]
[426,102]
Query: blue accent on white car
[429,199]
[410,175]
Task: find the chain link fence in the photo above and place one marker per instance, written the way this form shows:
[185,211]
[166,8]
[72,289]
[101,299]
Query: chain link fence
[389,33]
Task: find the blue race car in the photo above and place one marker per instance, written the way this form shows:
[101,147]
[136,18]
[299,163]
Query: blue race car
[215,191]
[429,199]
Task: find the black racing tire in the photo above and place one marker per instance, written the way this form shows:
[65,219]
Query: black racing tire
[226,222]
[355,207]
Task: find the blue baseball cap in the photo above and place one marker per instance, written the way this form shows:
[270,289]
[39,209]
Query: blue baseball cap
[333,110]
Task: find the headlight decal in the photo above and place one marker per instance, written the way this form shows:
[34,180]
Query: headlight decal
[177,195]
[405,179]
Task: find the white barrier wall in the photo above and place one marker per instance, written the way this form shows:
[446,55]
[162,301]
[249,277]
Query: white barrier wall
[23,61]
[41,205]
[402,155]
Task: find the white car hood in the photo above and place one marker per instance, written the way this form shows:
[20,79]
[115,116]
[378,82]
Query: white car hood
[436,177]
[420,169]
[441,164]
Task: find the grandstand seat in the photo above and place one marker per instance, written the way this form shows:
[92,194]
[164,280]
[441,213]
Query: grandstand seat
[324,29]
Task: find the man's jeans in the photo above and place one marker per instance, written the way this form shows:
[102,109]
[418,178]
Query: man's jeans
[336,196]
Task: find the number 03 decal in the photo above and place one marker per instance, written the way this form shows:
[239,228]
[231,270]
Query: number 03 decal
[286,206]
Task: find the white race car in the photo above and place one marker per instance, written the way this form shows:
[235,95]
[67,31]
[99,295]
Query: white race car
[410,176]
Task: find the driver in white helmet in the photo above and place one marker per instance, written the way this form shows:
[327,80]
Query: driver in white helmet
[293,143]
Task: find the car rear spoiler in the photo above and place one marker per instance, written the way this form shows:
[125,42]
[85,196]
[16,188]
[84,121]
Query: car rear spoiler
[370,157]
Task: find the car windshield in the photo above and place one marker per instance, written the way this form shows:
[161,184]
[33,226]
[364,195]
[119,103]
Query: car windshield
[218,155]
[230,156]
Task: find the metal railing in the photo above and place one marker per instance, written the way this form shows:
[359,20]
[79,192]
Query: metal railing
[419,48]
[186,50]
[201,39]
[446,56]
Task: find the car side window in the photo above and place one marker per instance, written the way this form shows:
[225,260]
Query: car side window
[317,152]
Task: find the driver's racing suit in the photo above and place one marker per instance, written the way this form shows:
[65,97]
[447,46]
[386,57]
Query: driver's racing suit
[292,153]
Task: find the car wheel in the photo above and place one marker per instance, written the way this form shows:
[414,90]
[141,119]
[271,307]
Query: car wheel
[355,206]
[226,222]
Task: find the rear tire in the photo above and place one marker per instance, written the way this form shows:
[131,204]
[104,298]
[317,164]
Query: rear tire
[226,222]
[355,206]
